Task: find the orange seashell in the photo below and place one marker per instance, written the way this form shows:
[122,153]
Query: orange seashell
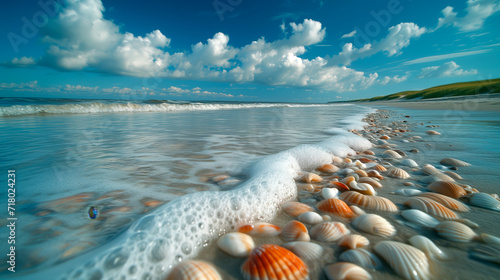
[399,173]
[371,181]
[328,168]
[365,160]
[447,188]
[431,207]
[361,173]
[294,208]
[336,207]
[447,201]
[260,229]
[349,180]
[340,185]
[368,152]
[380,168]
[369,202]
[311,178]
[374,173]
[385,137]
[270,261]
[295,231]
[193,270]
[347,160]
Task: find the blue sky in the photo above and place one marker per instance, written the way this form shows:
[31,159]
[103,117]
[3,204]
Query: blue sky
[240,50]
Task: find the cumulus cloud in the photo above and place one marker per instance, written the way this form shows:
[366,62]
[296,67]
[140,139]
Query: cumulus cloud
[349,35]
[448,69]
[477,11]
[392,80]
[20,62]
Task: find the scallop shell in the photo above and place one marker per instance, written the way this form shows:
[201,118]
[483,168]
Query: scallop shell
[307,251]
[455,231]
[353,241]
[429,169]
[399,173]
[193,270]
[487,253]
[391,154]
[380,168]
[484,200]
[375,173]
[368,202]
[329,193]
[295,231]
[236,244]
[407,261]
[329,231]
[432,132]
[453,175]
[361,257]
[328,168]
[260,229]
[270,261]
[447,188]
[371,181]
[449,202]
[454,162]
[431,207]
[294,209]
[374,224]
[336,207]
[428,247]
[420,218]
[407,192]
[345,270]
[311,178]
[409,162]
[311,218]
[436,177]
[339,185]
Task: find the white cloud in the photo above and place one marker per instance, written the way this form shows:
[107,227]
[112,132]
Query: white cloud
[28,86]
[477,11]
[20,62]
[448,69]
[393,80]
[444,56]
[349,35]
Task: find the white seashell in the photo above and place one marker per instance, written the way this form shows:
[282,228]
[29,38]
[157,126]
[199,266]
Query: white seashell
[361,257]
[363,188]
[346,171]
[329,231]
[490,239]
[399,173]
[307,251]
[344,270]
[428,247]
[193,270]
[353,241]
[310,218]
[236,244]
[391,154]
[453,175]
[454,162]
[455,231]
[487,253]
[447,201]
[431,207]
[436,178]
[359,164]
[408,262]
[330,193]
[328,168]
[311,178]
[371,181]
[356,210]
[484,200]
[408,192]
[432,132]
[374,224]
[420,218]
[369,202]
[409,162]
[295,231]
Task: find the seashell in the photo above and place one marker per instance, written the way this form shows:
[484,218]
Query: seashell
[339,185]
[356,210]
[361,257]
[431,207]
[311,178]
[454,162]
[236,244]
[409,162]
[455,231]
[407,261]
[486,253]
[362,173]
[447,188]
[336,160]
[432,132]
[429,169]
[391,154]
[311,218]
[368,202]
[329,231]
[467,222]
[437,177]
[328,168]
[219,178]
[447,201]
[407,192]
[349,181]
[428,247]
[307,251]
[374,173]
[365,160]
[490,239]
[336,207]
[270,261]
[345,270]
[294,208]
[399,173]
[384,137]
[368,152]
[363,188]
[420,218]
[295,231]
[380,168]
[260,229]
[359,164]
[371,181]
[401,153]
[408,184]
[415,151]
[353,241]
[484,200]
[453,175]
[329,193]
[194,270]
[374,224]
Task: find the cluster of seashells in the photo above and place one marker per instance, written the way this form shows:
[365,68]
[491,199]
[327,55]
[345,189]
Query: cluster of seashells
[338,204]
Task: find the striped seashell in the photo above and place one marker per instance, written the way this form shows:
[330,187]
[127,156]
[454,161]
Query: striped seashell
[330,193]
[356,210]
[311,178]
[484,200]
[447,188]
[365,160]
[328,168]
[236,244]
[429,169]
[432,132]
[307,251]
[407,261]
[409,162]
[425,245]
[194,270]
[353,241]
[490,239]
[407,192]
[437,177]
[363,188]
[454,162]
[310,218]
[453,175]
[488,253]
[391,154]
[371,181]
[349,181]
[260,229]
[361,257]
[380,168]
[420,218]
[368,202]
[455,231]
[329,231]
[374,224]
[361,173]
[398,173]
[339,185]
[431,207]
[295,231]
[270,261]
[294,208]
[401,153]
[375,173]
[447,201]
[336,207]
[345,270]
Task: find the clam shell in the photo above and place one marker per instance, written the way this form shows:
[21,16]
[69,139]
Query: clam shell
[345,270]
[453,175]
[295,231]
[356,210]
[330,193]
[374,224]
[270,261]
[420,218]
[193,270]
[429,169]
[368,202]
[375,173]
[454,162]
[407,261]
[380,168]
[310,218]
[484,200]
[428,247]
[455,231]
[409,162]
[294,209]
[311,178]
[361,173]
[432,132]
[371,181]
[449,202]
[489,253]
[336,207]
[307,251]
[361,257]
[398,173]
[328,168]
[353,241]
[447,188]
[408,192]
[391,154]
[329,231]
[236,244]
[431,207]
[260,229]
